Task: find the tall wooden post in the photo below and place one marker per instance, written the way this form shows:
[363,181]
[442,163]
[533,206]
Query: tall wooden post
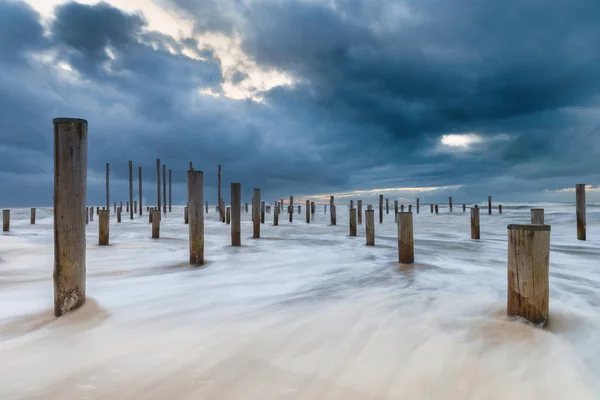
[246,207]
[115,207]
[418,204]
[528,270]
[5,220]
[313,208]
[158,183]
[352,222]
[537,216]
[219,192]
[70,180]
[464,207]
[103,227]
[580,211]
[291,208]
[155,224]
[276,216]
[170,188]
[406,243]
[196,216]
[205,202]
[227,215]
[307,211]
[135,206]
[164,189]
[396,211]
[127,206]
[130,189]
[490,205]
[475,232]
[499,208]
[387,206]
[87,213]
[140,188]
[359,211]
[119,215]
[370,227]
[236,214]
[256,214]
[107,186]
[450,203]
[262,212]
[32,216]
[381,209]
[333,215]
[91,211]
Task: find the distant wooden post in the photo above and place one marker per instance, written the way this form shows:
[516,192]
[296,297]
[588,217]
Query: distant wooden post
[186,217]
[103,227]
[464,207]
[401,207]
[370,207]
[299,210]
[418,205]
[246,207]
[219,191]
[276,216]
[140,188]
[97,210]
[437,210]
[331,201]
[155,224]
[351,205]
[119,215]
[291,208]
[490,205]
[130,189]
[359,211]
[307,211]
[499,208]
[205,202]
[396,211]
[191,166]
[528,270]
[313,209]
[256,214]
[352,222]
[475,232]
[370,227]
[135,206]
[164,189]
[70,179]
[236,214]
[450,203]
[580,211]
[410,208]
[381,209]
[196,216]
[5,220]
[127,206]
[170,189]
[387,206]
[32,216]
[115,207]
[333,215]
[107,185]
[87,213]
[262,212]
[149,214]
[158,182]
[228,215]
[431,206]
[406,244]
[537,216]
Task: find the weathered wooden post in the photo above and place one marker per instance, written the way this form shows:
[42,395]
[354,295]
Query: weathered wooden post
[359,211]
[5,220]
[236,214]
[256,214]
[396,211]
[262,212]
[155,224]
[475,232]
[107,185]
[381,209]
[170,189]
[164,189]
[87,213]
[437,210]
[205,202]
[464,207]
[246,207]
[103,227]
[70,180]
[119,215]
[387,206]
[352,222]
[410,208]
[186,217]
[228,215]
[291,208]
[97,210]
[127,206]
[418,205]
[140,188]
[135,206]
[158,182]
[580,211]
[528,270]
[499,208]
[406,243]
[130,189]
[32,216]
[276,216]
[490,205]
[196,216]
[149,214]
[370,226]
[333,215]
[307,211]
[450,203]
[431,206]
[115,207]
[313,208]
[537,216]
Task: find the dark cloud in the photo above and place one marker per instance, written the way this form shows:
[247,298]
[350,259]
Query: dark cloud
[20,31]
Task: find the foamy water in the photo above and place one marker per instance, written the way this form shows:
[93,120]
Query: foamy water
[306,312]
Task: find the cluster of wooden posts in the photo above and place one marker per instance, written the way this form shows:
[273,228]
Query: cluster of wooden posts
[528,245]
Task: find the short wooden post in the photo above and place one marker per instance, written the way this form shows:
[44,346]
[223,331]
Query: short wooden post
[418,204]
[381,209]
[70,179]
[580,211]
[32,216]
[490,205]
[121,204]
[396,211]
[410,208]
[333,216]
[528,270]
[195,205]
[313,209]
[401,207]
[450,203]
[205,202]
[406,244]
[499,208]
[186,216]
[325,208]
[431,206]
[437,210]
[119,215]
[256,214]
[103,227]
[228,215]
[359,211]
[262,212]
[155,223]
[537,216]
[387,206]
[307,211]
[475,233]
[291,208]
[276,216]
[115,207]
[127,206]
[299,210]
[352,222]
[246,207]
[370,227]
[87,213]
[464,207]
[5,220]
[236,213]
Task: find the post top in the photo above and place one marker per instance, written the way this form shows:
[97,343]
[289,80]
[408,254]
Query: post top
[537,209]
[69,121]
[528,227]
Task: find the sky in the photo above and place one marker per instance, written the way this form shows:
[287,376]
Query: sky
[415,98]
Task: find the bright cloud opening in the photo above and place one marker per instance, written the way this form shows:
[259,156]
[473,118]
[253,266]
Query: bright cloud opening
[460,141]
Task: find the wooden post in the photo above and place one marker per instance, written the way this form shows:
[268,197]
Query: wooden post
[359,212]
[120,205]
[262,212]
[528,270]
[370,227]
[431,206]
[186,217]
[191,166]
[475,232]
[450,203]
[135,206]
[396,211]
[158,182]
[387,206]
[418,204]
[313,208]
[401,207]
[331,201]
[291,208]
[437,209]
[410,208]
[107,185]
[256,214]
[325,208]
[32,216]
[299,210]
[70,180]
[246,207]
[236,214]
[127,206]
[307,211]
[580,211]
[170,189]
[537,216]
[381,209]
[196,216]
[149,214]
[115,207]
[219,191]
[164,189]
[97,210]
[130,189]
[205,202]
[406,243]
[464,207]
[5,220]
[228,215]
[499,208]
[87,213]
[119,215]
[276,216]
[140,188]
[352,222]
[103,227]
[155,224]
[351,205]
[490,205]
[333,216]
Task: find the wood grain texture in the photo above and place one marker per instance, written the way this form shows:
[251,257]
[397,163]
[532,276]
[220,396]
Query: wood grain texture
[5,220]
[580,211]
[475,231]
[236,214]
[155,215]
[256,214]
[406,245]
[352,222]
[359,212]
[370,227]
[196,216]
[104,227]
